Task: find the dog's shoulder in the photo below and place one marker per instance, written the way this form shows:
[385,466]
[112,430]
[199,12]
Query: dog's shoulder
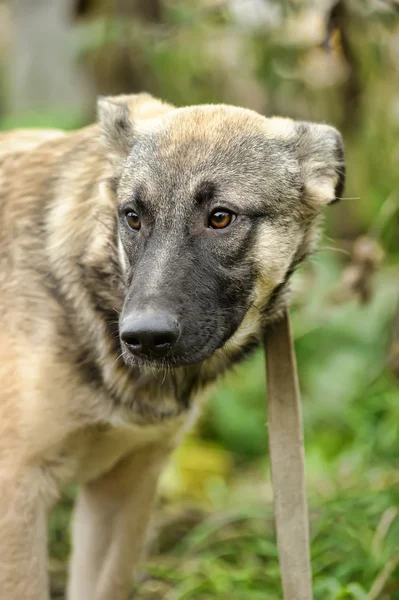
[22,140]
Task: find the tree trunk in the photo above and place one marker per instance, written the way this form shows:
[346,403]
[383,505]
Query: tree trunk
[43,76]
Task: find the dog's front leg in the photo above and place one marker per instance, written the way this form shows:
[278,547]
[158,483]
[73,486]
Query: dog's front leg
[23,535]
[110,523]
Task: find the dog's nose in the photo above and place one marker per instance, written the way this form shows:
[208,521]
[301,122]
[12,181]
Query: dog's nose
[150,333]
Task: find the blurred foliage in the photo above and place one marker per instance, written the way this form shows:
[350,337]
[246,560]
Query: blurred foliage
[325,61]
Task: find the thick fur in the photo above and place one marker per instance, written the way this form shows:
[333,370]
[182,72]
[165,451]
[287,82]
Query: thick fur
[75,403]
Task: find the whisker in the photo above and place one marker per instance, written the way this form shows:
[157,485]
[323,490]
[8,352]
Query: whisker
[257,308]
[333,249]
[350,198]
[118,357]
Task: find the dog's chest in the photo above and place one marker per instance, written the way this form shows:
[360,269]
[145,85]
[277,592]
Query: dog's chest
[101,447]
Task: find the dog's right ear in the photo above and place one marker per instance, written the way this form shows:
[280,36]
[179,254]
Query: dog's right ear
[117,132]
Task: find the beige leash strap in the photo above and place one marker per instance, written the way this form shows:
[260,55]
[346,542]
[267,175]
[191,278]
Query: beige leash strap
[287,461]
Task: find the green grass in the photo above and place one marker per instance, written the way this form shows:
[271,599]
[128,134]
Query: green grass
[233,554]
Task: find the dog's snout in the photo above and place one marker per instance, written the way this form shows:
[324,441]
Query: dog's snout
[150,334]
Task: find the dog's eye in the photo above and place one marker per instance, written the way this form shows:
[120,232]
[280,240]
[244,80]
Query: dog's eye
[220,219]
[133,220]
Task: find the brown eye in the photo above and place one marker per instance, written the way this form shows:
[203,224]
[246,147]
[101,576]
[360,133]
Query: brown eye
[220,219]
[133,220]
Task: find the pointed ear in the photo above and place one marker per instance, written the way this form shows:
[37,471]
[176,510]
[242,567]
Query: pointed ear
[320,151]
[116,128]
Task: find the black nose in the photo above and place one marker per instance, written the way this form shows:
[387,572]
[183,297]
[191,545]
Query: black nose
[150,334]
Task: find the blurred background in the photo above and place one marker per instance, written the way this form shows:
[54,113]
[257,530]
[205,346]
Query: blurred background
[325,61]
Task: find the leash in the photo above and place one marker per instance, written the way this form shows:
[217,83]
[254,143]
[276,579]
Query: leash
[287,461]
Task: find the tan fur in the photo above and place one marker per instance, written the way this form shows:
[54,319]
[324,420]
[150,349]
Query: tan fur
[25,139]
[55,426]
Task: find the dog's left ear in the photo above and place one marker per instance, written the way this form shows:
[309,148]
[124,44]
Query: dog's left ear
[116,128]
[320,151]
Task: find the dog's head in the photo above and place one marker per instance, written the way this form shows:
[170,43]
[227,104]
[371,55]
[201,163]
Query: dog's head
[216,205]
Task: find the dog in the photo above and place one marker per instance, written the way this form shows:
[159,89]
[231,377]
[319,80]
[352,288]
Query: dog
[140,258]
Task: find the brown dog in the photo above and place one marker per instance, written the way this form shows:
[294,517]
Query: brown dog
[139,259]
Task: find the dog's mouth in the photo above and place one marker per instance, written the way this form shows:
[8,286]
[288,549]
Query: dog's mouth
[153,362]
